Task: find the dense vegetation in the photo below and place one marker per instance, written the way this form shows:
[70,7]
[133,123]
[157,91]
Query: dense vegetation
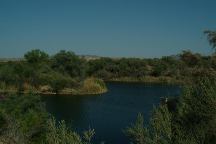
[192,120]
[24,120]
[66,72]
[170,69]
[61,73]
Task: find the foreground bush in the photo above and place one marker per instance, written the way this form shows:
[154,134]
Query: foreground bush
[60,134]
[158,132]
[193,122]
[23,120]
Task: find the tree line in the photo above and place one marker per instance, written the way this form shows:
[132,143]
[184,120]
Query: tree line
[38,70]
[65,69]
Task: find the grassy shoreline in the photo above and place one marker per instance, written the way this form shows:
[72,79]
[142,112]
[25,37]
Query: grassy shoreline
[90,86]
[148,80]
[93,86]
[53,93]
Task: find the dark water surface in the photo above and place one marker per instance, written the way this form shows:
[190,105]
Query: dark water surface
[111,112]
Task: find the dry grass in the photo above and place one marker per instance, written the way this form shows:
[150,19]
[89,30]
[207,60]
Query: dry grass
[93,86]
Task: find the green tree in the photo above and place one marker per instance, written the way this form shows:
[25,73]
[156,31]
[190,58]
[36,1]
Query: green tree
[58,81]
[59,133]
[211,35]
[137,133]
[7,74]
[196,117]
[68,63]
[159,68]
[159,130]
[36,56]
[24,119]
[161,126]
[190,59]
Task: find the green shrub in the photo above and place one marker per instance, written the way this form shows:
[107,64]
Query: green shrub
[192,123]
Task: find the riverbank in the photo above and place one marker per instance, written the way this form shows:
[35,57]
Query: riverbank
[149,79]
[89,86]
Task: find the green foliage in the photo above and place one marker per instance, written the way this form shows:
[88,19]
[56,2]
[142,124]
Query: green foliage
[176,68]
[88,135]
[67,70]
[7,74]
[23,119]
[13,135]
[107,68]
[137,133]
[211,35]
[190,59]
[68,63]
[160,126]
[60,134]
[197,112]
[36,56]
[158,132]
[159,69]
[58,82]
[192,123]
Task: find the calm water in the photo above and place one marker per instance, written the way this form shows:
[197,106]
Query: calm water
[109,113]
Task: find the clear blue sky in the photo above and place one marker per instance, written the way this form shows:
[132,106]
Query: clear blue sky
[130,28]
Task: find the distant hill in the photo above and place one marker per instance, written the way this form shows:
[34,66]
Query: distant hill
[89,57]
[86,57]
[10,59]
